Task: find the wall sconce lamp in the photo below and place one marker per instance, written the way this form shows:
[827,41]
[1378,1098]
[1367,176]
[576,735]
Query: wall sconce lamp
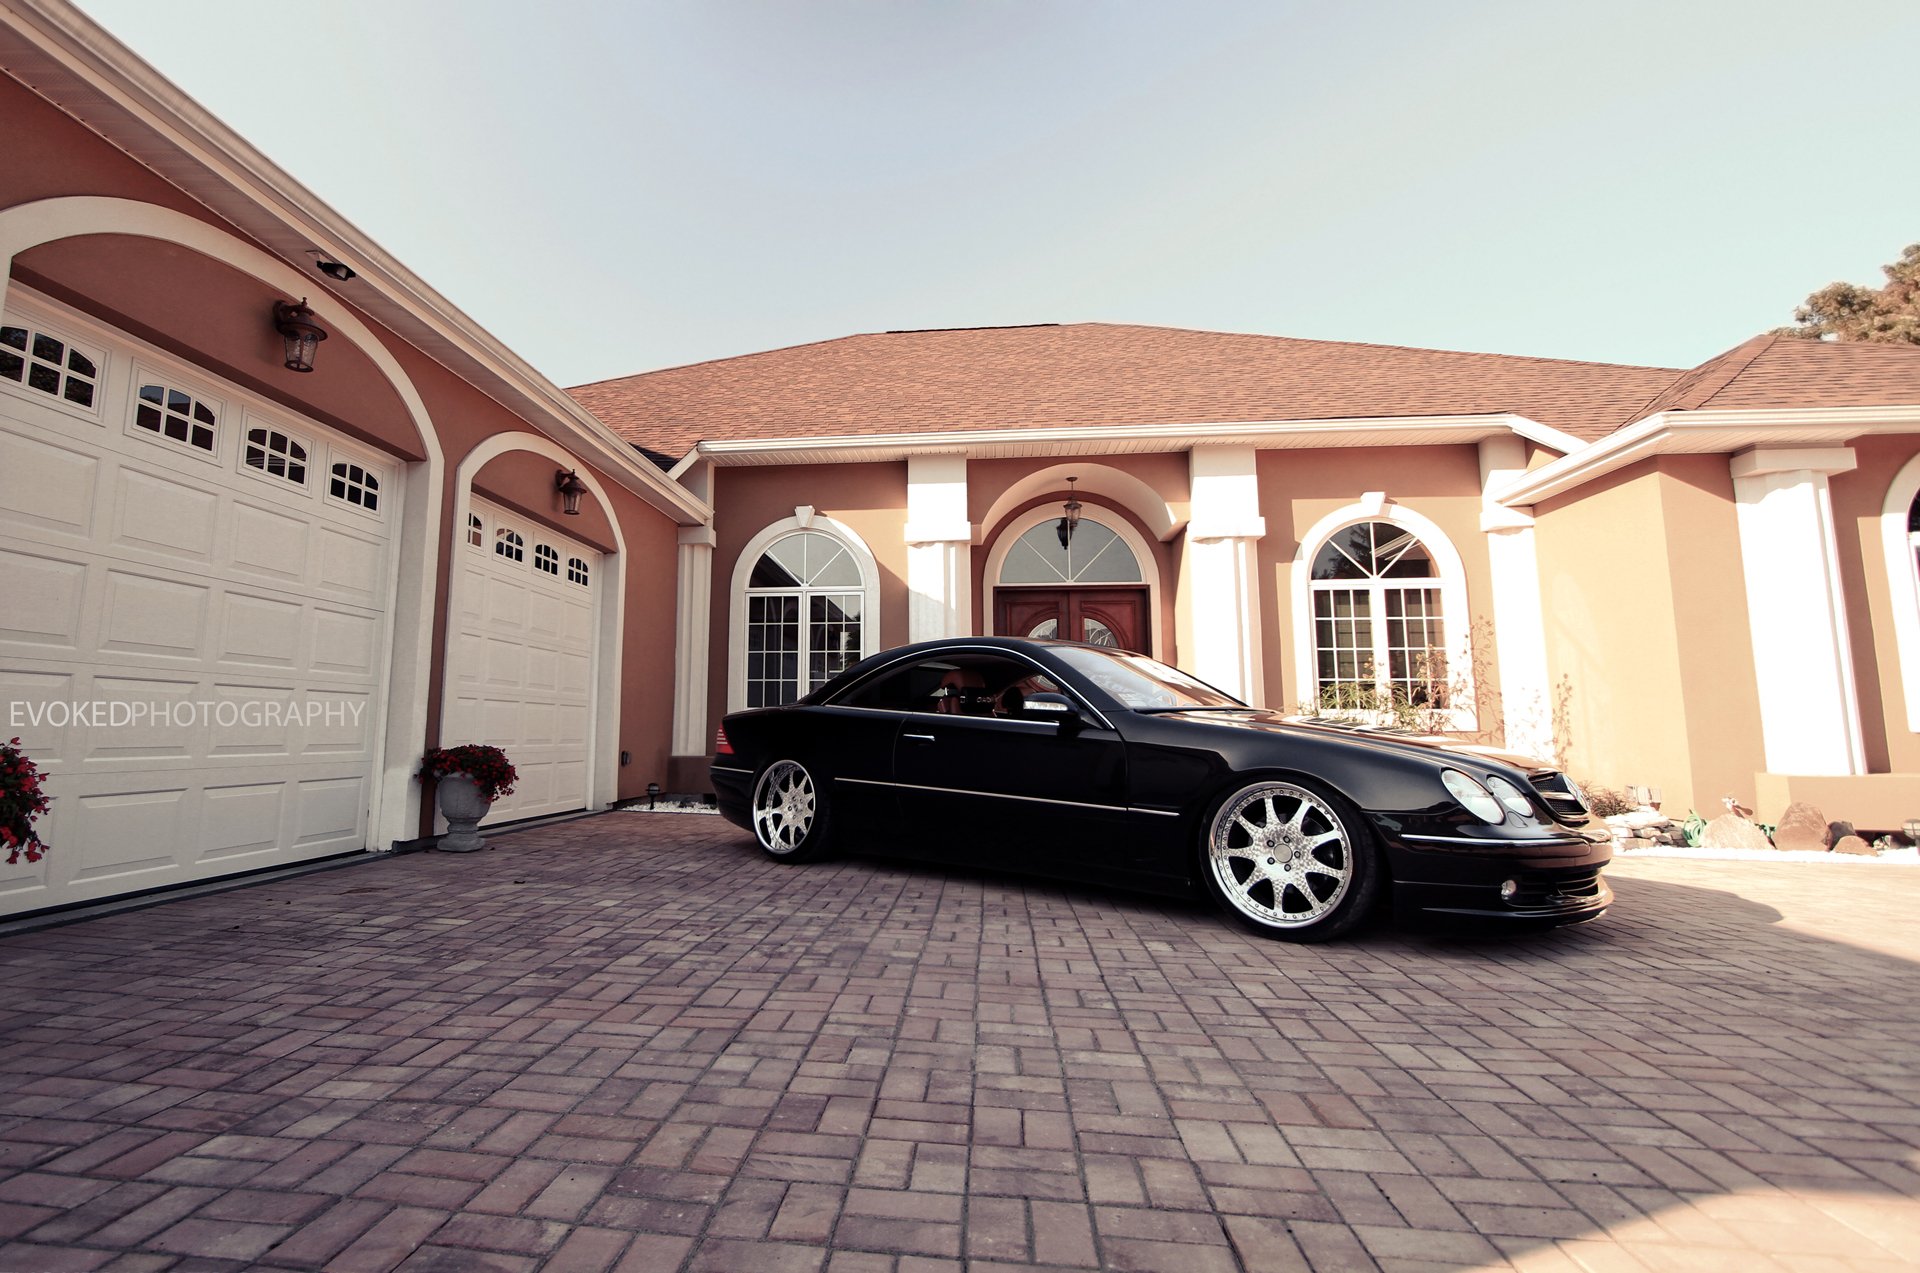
[295,324]
[571,488]
[1072,519]
[1912,829]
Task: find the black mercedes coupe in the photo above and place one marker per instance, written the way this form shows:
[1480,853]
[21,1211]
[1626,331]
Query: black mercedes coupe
[1095,764]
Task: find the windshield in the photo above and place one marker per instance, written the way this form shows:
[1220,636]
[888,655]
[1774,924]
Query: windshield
[1138,682]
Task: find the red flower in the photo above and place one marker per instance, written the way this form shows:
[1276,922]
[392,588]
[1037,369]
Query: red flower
[21,801]
[488,766]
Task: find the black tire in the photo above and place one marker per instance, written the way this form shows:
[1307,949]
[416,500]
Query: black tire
[1290,860]
[789,813]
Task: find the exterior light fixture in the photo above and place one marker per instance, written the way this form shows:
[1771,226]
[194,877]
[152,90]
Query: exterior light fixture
[1072,519]
[571,488]
[295,324]
[1912,829]
[653,793]
[339,271]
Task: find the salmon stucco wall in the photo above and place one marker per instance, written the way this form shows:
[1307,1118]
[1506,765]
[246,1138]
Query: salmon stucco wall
[870,499]
[1298,488]
[1648,649]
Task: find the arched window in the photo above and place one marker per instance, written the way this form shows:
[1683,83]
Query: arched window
[805,616]
[1900,542]
[476,535]
[546,560]
[1380,636]
[1093,554]
[508,544]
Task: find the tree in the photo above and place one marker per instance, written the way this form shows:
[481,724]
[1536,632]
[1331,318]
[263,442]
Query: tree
[1845,311]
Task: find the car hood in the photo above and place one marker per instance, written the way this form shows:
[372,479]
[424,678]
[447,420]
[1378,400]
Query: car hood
[1261,720]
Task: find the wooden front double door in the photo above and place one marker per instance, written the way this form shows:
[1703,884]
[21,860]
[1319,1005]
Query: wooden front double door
[1097,616]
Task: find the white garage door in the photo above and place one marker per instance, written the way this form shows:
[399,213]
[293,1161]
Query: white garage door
[522,667]
[193,596]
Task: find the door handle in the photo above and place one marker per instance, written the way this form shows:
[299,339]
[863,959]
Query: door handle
[918,738]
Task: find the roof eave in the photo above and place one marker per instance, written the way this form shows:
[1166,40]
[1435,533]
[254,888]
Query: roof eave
[1706,431]
[1261,434]
[246,189]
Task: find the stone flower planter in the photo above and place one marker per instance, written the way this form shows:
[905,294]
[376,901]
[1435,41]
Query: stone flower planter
[462,805]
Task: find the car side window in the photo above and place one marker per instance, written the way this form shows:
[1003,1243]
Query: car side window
[959,684]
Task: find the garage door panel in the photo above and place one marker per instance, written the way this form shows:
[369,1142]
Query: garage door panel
[329,812]
[46,487]
[342,733]
[250,722]
[143,614]
[577,626]
[543,669]
[506,607]
[506,664]
[261,631]
[500,722]
[243,819]
[156,513]
[543,623]
[349,566]
[345,643]
[45,596]
[576,673]
[125,833]
[571,727]
[124,740]
[537,724]
[270,545]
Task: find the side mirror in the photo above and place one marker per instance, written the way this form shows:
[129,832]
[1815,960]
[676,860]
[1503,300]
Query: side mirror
[1046,706]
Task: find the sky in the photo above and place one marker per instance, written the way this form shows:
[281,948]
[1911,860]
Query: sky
[612,187]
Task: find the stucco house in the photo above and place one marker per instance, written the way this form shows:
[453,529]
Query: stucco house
[1702,580]
[1698,580]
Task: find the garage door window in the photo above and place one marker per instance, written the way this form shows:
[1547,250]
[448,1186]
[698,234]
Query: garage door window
[355,486]
[277,455]
[49,364]
[476,533]
[576,571]
[546,560]
[177,416]
[508,544]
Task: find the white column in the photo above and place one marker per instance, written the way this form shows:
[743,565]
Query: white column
[692,625]
[1809,709]
[939,548]
[1223,577]
[1519,615]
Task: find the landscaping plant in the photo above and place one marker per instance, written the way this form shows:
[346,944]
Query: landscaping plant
[488,766]
[21,801]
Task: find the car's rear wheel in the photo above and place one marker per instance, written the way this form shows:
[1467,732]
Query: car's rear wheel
[1290,861]
[789,812]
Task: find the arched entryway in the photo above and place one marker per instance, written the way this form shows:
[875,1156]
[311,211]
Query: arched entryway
[1095,585]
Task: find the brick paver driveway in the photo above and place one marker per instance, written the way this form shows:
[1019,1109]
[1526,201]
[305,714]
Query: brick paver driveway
[630,1043]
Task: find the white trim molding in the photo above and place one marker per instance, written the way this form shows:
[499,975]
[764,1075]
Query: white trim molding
[806,518]
[1903,581]
[1796,610]
[1117,487]
[603,745]
[1464,714]
[692,631]
[939,548]
[395,796]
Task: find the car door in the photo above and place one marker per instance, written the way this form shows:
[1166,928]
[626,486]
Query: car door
[979,781]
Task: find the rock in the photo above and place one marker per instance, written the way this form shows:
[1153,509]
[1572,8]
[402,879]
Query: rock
[1731,831]
[1853,844]
[1838,831]
[1802,827]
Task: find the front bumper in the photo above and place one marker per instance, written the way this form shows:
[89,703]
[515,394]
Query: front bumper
[1555,878]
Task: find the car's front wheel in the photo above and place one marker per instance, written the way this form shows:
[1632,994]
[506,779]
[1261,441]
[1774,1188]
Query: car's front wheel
[789,812]
[1290,861]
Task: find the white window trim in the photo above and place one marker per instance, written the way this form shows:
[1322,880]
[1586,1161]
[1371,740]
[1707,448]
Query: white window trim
[1117,522]
[1903,582]
[1452,582]
[743,575]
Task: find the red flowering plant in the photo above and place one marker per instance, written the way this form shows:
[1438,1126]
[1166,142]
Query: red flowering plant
[488,766]
[21,801]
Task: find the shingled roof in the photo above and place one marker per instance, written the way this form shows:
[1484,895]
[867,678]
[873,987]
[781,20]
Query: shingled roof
[1096,374]
[1779,371]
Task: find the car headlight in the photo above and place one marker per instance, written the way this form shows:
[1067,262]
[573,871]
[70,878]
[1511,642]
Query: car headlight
[1509,795]
[1472,796]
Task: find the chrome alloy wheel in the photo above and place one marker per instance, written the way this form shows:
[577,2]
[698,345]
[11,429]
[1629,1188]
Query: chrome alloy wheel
[783,807]
[1280,855]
